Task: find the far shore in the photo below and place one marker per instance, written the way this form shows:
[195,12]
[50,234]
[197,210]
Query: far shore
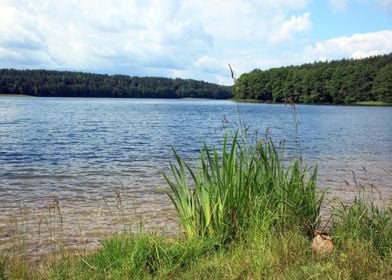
[360,103]
[15,95]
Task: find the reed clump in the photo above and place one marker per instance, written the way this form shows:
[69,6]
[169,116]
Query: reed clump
[240,186]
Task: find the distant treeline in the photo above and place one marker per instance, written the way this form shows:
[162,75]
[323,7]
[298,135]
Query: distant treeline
[76,84]
[337,82]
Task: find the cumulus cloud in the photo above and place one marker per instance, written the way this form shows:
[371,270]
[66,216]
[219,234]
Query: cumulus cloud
[84,35]
[175,38]
[141,37]
[208,64]
[288,28]
[14,31]
[355,46]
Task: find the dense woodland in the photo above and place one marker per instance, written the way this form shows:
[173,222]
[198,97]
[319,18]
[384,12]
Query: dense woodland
[336,82]
[76,84]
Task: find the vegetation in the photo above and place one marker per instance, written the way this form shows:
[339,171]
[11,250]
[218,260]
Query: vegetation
[334,82]
[241,186]
[367,81]
[372,103]
[245,215]
[76,84]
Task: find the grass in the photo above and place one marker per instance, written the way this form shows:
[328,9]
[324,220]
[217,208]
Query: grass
[363,222]
[244,215]
[258,255]
[373,103]
[240,186]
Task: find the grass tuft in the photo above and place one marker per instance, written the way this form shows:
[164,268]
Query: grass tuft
[364,223]
[242,185]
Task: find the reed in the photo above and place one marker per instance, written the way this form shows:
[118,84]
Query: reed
[240,185]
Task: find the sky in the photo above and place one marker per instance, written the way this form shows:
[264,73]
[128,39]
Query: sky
[194,39]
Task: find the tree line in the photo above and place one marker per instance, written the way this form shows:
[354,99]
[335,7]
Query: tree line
[77,84]
[337,82]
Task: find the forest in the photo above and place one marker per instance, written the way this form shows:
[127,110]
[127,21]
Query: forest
[345,81]
[77,84]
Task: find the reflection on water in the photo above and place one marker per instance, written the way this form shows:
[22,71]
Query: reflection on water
[79,151]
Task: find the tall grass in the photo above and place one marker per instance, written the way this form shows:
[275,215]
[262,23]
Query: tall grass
[363,222]
[242,185]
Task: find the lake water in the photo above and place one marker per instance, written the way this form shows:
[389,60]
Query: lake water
[102,159]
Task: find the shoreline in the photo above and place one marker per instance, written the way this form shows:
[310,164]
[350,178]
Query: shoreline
[255,101]
[355,104]
[81,227]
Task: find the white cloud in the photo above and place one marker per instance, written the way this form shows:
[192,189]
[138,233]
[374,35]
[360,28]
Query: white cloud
[175,38]
[288,28]
[355,46]
[141,37]
[208,64]
[14,30]
[338,5]
[83,34]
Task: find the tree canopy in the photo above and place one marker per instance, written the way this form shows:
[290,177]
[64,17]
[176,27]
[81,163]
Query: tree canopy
[77,84]
[337,82]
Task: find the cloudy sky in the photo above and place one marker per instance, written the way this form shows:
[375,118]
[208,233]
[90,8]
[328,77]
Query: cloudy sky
[188,38]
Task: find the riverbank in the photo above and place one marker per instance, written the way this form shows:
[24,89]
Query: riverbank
[246,216]
[257,255]
[14,95]
[362,103]
[361,235]
[373,103]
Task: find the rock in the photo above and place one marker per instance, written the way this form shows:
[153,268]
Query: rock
[322,242]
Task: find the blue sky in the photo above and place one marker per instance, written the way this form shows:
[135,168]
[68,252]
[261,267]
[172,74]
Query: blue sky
[191,38]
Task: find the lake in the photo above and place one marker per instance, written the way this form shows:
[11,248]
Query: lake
[101,160]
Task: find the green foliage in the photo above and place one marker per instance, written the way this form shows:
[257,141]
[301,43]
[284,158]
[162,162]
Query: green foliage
[363,222]
[2,268]
[241,186]
[140,256]
[372,103]
[267,246]
[382,86]
[246,195]
[76,84]
[336,82]
[259,254]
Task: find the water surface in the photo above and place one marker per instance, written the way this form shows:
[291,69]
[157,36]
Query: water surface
[98,156]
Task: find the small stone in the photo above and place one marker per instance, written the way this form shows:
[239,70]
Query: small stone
[322,243]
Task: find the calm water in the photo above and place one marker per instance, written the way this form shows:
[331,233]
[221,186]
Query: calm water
[93,155]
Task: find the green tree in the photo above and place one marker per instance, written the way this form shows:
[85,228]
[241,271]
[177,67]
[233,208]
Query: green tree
[382,86]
